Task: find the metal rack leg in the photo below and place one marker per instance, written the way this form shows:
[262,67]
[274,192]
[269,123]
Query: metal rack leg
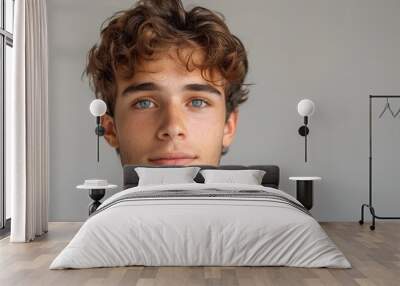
[374,216]
[372,227]
[372,211]
[361,221]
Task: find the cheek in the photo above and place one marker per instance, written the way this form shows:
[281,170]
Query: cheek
[208,126]
[136,130]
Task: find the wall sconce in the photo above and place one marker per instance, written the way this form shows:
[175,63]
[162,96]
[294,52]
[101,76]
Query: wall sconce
[98,108]
[305,108]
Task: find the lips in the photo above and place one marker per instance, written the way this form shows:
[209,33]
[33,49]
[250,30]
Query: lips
[173,159]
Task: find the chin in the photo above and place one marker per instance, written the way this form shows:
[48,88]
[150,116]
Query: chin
[174,162]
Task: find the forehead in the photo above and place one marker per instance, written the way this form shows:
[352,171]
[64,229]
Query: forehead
[179,68]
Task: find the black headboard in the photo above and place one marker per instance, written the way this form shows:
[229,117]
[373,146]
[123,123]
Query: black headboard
[270,179]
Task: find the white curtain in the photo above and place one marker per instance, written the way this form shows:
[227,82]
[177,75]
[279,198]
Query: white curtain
[27,136]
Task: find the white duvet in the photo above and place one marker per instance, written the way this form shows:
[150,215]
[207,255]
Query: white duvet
[206,231]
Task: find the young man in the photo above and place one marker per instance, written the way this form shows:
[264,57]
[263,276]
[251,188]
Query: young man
[172,80]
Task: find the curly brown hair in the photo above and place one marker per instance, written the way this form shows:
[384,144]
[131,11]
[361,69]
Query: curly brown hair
[152,26]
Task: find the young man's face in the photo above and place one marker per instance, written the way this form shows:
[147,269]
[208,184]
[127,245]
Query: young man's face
[166,115]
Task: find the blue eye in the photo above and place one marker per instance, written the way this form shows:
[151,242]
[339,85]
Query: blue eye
[198,102]
[143,104]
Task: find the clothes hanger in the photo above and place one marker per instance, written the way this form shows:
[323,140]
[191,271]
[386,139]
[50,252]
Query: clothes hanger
[387,106]
[397,113]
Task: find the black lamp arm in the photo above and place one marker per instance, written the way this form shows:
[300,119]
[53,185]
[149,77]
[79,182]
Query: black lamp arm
[99,132]
[99,128]
[303,131]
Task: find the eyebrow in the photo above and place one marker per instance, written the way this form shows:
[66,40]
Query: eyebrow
[150,86]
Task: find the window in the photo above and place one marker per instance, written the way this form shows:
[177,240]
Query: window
[6,62]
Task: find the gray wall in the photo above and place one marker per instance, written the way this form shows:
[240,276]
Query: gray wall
[333,52]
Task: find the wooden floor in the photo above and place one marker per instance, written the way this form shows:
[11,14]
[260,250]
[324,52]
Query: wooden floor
[374,255]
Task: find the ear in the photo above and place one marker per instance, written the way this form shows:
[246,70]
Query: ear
[110,133]
[230,128]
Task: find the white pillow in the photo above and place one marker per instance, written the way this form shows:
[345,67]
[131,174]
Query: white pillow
[165,175]
[249,177]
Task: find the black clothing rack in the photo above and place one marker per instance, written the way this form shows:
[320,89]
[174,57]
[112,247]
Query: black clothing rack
[369,205]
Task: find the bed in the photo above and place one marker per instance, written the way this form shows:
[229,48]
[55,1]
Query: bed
[201,224]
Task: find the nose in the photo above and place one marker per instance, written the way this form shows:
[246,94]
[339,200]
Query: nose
[173,126]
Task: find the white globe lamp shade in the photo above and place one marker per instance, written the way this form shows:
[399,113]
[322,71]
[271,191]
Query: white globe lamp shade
[305,107]
[98,107]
